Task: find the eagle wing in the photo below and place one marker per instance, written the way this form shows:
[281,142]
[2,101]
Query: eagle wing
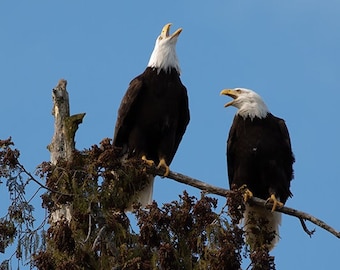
[230,153]
[284,132]
[183,121]
[289,160]
[126,112]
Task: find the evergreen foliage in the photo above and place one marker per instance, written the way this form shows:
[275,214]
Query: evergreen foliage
[185,234]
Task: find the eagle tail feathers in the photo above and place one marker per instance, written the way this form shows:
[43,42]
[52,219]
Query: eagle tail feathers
[144,197]
[261,227]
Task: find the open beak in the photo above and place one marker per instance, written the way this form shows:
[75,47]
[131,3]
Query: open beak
[166,31]
[231,93]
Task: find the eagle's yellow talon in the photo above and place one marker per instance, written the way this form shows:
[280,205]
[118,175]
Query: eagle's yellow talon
[247,194]
[163,164]
[276,203]
[148,161]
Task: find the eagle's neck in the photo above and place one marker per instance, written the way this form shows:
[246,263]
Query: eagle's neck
[164,58]
[253,110]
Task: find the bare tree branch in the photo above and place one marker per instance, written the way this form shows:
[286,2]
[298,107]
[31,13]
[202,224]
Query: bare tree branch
[302,216]
[304,226]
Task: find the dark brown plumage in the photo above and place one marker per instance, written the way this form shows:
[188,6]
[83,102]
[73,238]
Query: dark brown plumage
[259,155]
[260,158]
[153,116]
[154,112]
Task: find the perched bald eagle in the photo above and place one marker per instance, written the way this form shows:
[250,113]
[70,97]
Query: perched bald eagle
[154,112]
[259,155]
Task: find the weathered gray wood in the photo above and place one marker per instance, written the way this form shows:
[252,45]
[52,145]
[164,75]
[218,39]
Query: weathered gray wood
[63,143]
[65,126]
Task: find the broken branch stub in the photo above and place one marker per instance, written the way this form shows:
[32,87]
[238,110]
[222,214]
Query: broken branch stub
[65,126]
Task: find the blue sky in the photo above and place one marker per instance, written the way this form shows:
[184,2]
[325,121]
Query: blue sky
[287,51]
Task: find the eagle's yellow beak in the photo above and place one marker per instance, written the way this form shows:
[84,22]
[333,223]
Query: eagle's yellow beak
[166,31]
[231,93]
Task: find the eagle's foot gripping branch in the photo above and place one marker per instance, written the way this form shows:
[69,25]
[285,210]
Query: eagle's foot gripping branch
[163,164]
[276,203]
[247,194]
[149,162]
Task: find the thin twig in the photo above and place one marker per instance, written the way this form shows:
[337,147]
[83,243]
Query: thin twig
[225,192]
[95,243]
[304,226]
[89,230]
[31,177]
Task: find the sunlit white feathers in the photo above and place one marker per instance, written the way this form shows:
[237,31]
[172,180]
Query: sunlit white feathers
[249,104]
[164,53]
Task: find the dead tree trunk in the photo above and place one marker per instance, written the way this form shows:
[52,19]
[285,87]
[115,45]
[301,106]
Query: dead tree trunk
[63,143]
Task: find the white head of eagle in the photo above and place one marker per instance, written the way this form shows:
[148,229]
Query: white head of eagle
[248,103]
[164,53]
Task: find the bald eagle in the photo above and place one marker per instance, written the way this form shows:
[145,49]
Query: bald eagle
[260,157]
[154,112]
